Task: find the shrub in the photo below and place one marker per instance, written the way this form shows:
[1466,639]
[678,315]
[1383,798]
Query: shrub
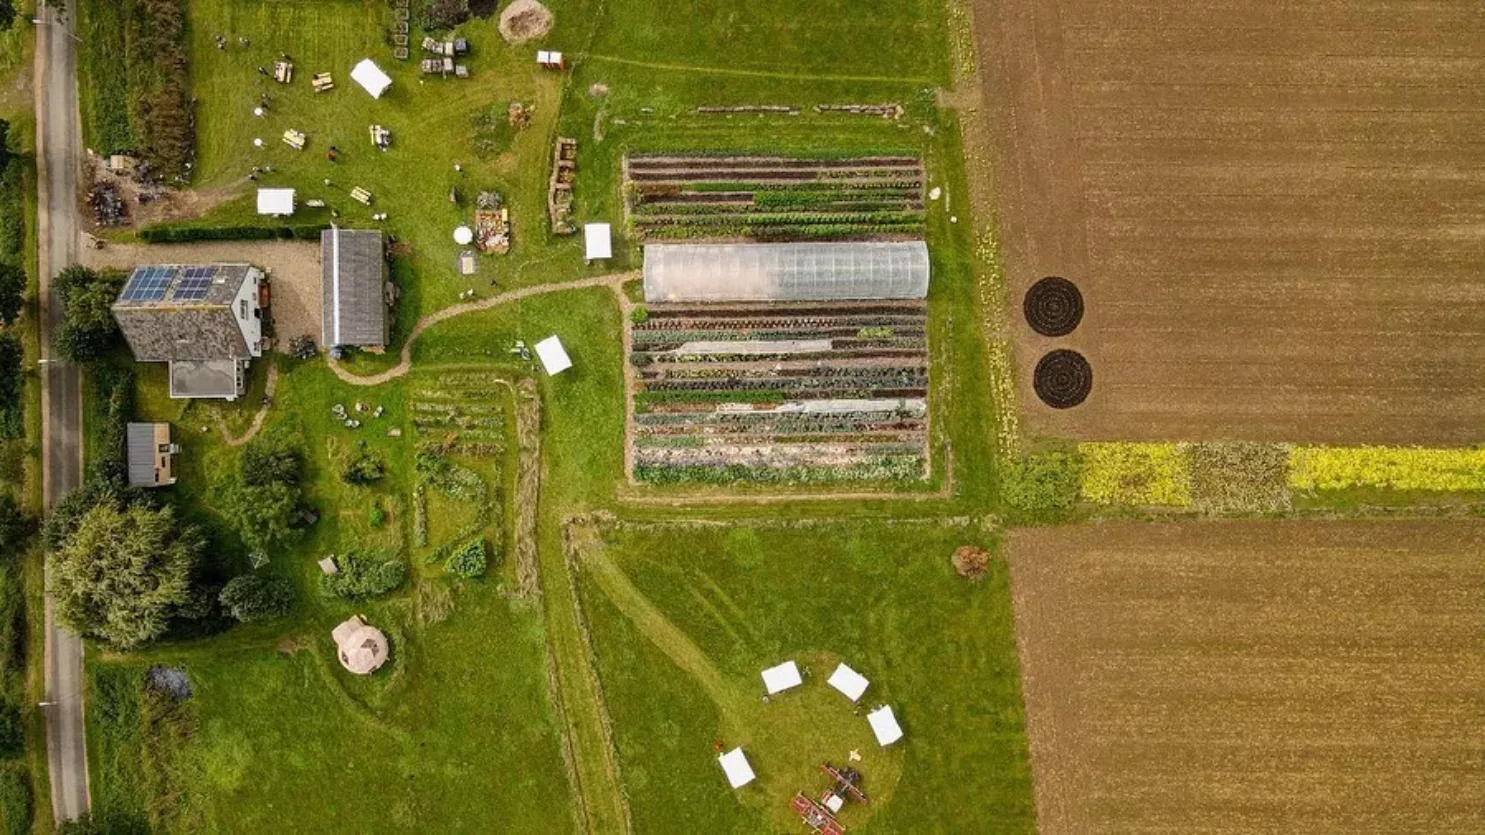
[363,469]
[1239,477]
[270,460]
[15,527]
[378,516]
[12,287]
[364,575]
[1136,474]
[12,387]
[12,732]
[1042,482]
[168,233]
[15,799]
[251,597]
[469,559]
[113,387]
[639,315]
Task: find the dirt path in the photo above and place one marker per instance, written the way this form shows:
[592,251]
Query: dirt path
[258,418]
[614,281]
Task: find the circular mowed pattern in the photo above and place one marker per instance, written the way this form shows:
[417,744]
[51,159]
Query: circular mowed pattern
[1063,379]
[1053,306]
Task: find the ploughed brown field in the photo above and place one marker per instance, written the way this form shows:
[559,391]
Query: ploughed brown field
[1254,676]
[1275,211]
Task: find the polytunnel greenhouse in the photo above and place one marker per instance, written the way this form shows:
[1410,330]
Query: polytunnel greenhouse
[786,271]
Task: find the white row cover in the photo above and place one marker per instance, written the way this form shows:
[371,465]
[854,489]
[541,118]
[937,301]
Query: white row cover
[735,766]
[884,725]
[786,272]
[849,682]
[781,678]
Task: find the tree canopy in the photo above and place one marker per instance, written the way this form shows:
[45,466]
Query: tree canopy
[12,291]
[124,571]
[89,330]
[251,597]
[15,526]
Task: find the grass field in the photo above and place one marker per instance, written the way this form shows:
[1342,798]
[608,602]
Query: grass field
[1272,214]
[1246,676]
[683,617]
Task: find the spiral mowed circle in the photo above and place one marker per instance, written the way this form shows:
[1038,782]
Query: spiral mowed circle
[1053,306]
[1063,379]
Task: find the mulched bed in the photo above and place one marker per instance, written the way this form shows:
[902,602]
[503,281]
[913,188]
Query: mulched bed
[1063,379]
[1053,306]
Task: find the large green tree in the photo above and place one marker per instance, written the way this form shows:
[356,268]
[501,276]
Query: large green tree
[124,572]
[12,291]
[262,515]
[88,330]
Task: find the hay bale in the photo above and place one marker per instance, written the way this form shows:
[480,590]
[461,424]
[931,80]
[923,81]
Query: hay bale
[971,562]
[525,20]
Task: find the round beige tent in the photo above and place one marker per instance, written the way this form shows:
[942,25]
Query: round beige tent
[362,648]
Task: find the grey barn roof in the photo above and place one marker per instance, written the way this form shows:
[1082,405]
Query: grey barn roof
[142,452]
[162,321]
[786,272]
[353,274]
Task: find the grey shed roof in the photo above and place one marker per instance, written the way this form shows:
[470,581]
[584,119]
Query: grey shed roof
[182,312]
[353,275]
[142,452]
[786,272]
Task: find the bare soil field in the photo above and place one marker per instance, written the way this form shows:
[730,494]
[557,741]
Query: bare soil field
[1275,212]
[1254,676]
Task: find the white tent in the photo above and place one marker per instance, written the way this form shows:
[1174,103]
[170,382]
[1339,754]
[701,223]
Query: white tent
[781,678]
[371,77]
[463,235]
[849,682]
[599,241]
[553,356]
[735,766]
[884,725]
[276,201]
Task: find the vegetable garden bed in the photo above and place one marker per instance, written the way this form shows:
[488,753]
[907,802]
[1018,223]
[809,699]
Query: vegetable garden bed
[853,410]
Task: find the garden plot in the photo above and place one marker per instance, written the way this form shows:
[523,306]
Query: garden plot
[773,199]
[781,393]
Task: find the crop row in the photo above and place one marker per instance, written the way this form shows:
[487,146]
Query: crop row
[783,234]
[850,331]
[713,371]
[881,469]
[662,161]
[643,211]
[743,321]
[727,311]
[898,184]
[795,218]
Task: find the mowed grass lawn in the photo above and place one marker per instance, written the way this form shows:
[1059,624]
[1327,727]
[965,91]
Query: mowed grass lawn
[728,601]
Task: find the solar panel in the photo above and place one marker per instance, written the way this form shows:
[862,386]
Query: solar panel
[147,284]
[191,289]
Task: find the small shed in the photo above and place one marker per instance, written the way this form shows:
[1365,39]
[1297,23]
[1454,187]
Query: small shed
[553,356]
[550,60]
[362,648]
[150,454]
[278,202]
[782,677]
[884,725]
[735,765]
[848,682]
[371,78]
[599,241]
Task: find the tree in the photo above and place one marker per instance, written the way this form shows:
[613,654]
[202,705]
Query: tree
[7,14]
[15,526]
[67,514]
[262,515]
[88,330]
[124,572]
[12,732]
[269,460]
[250,597]
[12,290]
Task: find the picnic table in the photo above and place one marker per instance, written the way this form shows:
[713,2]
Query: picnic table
[322,82]
[294,139]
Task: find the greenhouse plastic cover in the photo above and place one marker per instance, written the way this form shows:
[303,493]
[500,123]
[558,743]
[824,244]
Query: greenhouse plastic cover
[786,272]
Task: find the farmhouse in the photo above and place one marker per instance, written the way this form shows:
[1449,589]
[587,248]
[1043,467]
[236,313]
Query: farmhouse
[204,320]
[354,290]
[150,454]
[786,272]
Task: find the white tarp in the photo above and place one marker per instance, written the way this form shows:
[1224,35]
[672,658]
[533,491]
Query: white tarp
[781,678]
[599,241]
[735,766]
[553,356]
[884,725]
[371,77]
[849,682]
[276,201]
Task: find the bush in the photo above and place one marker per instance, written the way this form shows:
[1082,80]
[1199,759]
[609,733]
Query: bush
[364,469]
[364,575]
[469,559]
[269,460]
[12,285]
[250,597]
[15,799]
[12,732]
[639,315]
[113,387]
[168,233]
[12,387]
[378,516]
[15,527]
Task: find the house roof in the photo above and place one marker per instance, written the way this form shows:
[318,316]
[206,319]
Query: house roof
[849,682]
[782,677]
[371,78]
[735,765]
[276,201]
[598,241]
[353,275]
[553,356]
[143,452]
[786,272]
[183,312]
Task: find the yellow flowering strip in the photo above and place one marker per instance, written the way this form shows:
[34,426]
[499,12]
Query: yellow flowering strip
[1138,474]
[1397,468]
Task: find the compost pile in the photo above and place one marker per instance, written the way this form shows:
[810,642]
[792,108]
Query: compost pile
[525,20]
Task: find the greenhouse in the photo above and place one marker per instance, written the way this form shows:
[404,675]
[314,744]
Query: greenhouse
[786,272]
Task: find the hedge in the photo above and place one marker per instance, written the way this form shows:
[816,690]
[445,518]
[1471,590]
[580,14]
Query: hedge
[164,234]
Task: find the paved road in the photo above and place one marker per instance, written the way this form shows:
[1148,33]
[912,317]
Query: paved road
[58,151]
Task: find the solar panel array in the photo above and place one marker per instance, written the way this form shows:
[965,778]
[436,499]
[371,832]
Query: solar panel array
[194,284]
[147,284]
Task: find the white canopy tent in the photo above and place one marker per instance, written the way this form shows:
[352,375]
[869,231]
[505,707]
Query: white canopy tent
[884,725]
[735,766]
[782,677]
[849,682]
[463,235]
[371,77]
[598,240]
[553,356]
[278,202]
